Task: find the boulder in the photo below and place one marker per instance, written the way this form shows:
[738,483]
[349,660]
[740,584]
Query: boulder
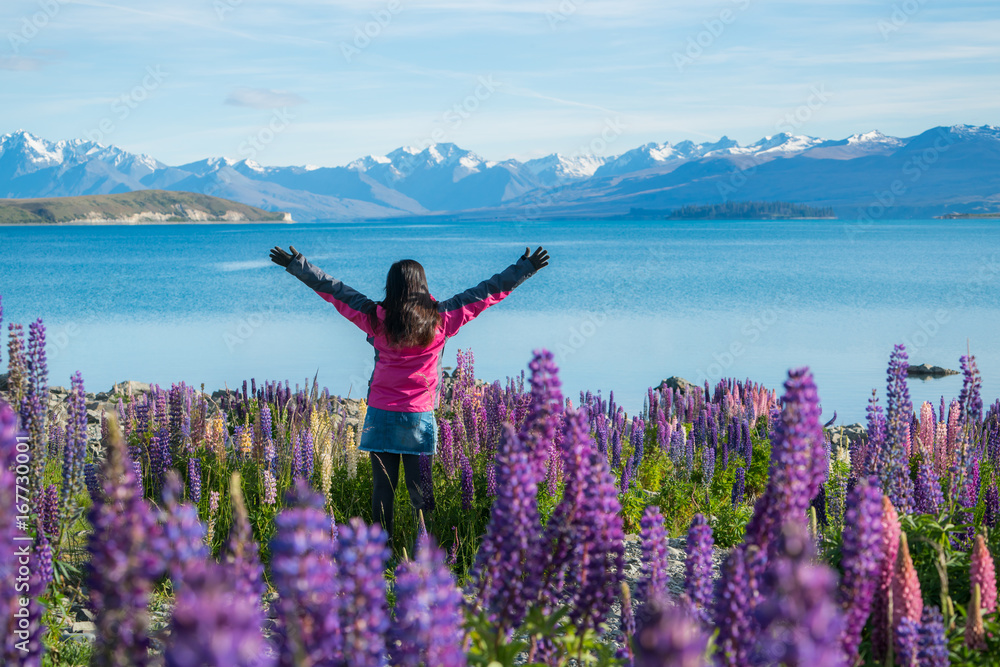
[843,436]
[928,371]
[674,382]
[58,390]
[129,387]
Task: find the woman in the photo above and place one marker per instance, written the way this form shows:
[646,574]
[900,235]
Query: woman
[408,330]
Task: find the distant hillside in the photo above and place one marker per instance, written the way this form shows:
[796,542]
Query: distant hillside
[742,210]
[139,207]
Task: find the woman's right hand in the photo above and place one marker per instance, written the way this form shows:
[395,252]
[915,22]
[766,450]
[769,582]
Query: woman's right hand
[282,258]
[538,259]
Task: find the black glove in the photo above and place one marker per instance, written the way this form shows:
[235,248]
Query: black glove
[538,259]
[282,258]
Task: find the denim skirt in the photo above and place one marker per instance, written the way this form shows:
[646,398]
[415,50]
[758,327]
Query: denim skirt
[399,432]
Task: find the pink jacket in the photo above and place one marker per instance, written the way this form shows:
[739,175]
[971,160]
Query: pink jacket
[408,379]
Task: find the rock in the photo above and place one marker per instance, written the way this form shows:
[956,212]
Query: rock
[129,387]
[102,395]
[928,371]
[87,627]
[93,416]
[58,390]
[843,436]
[674,382]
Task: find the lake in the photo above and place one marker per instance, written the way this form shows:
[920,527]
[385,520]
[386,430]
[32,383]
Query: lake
[623,304]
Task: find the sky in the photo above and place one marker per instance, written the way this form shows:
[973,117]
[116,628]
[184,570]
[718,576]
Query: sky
[324,82]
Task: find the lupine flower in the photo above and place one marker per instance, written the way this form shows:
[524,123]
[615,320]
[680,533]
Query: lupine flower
[800,624]
[510,537]
[214,622]
[48,511]
[669,637]
[75,449]
[890,539]
[983,574]
[122,567]
[907,642]
[305,575]
[491,479]
[992,504]
[93,485]
[655,560]
[975,633]
[932,643]
[194,479]
[896,477]
[861,560]
[969,399]
[732,611]
[928,498]
[698,565]
[906,599]
[43,556]
[364,619]
[183,537]
[241,552]
[739,486]
[427,628]
[468,491]
[270,487]
[876,454]
[708,464]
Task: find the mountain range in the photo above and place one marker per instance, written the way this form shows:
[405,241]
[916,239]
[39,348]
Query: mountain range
[943,170]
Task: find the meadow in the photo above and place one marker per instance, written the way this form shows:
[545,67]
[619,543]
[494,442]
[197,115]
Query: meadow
[236,530]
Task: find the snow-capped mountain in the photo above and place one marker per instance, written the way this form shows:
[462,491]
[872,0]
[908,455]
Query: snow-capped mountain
[444,178]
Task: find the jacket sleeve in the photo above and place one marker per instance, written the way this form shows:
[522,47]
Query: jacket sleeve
[463,308]
[349,302]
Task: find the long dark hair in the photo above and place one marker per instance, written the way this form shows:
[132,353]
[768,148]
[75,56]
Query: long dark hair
[411,316]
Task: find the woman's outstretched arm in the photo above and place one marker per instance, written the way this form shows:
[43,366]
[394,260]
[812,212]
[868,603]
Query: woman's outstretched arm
[349,302]
[463,308]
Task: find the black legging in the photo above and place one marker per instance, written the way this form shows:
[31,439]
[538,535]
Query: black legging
[385,474]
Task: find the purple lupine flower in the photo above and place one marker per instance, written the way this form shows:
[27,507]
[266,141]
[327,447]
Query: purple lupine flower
[861,560]
[491,478]
[669,637]
[800,623]
[364,619]
[160,458]
[797,462]
[991,501]
[266,429]
[242,554]
[468,491]
[747,442]
[298,461]
[307,453]
[906,642]
[183,536]
[75,449]
[739,486]
[626,479]
[445,450]
[43,556]
[616,449]
[932,643]
[896,477]
[194,479]
[876,455]
[970,400]
[306,577]
[655,560]
[48,511]
[928,497]
[708,464]
[214,622]
[732,611]
[93,484]
[636,439]
[510,537]
[122,567]
[698,566]
[427,628]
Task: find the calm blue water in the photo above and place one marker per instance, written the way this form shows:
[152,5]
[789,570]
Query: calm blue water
[622,304]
